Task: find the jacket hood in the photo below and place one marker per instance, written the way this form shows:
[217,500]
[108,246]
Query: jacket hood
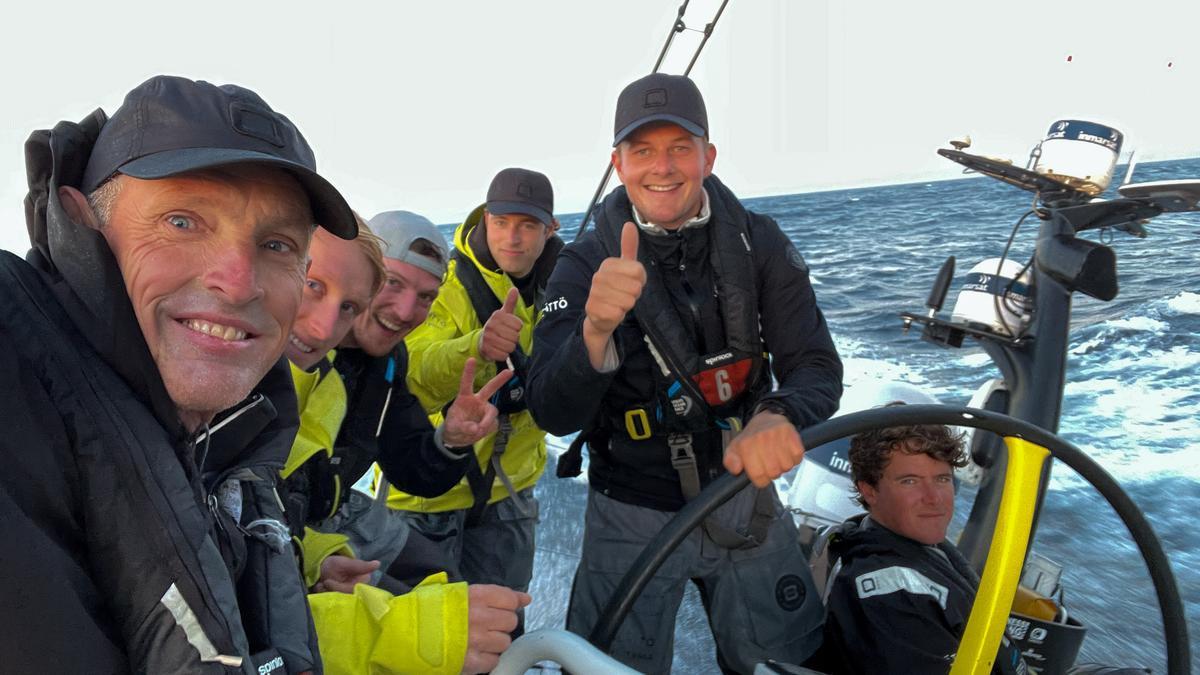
[79,267]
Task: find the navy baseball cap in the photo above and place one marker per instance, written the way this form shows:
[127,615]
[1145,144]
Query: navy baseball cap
[171,125]
[660,97]
[521,191]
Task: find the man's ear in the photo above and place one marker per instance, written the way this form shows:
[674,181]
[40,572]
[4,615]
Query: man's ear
[868,492]
[77,207]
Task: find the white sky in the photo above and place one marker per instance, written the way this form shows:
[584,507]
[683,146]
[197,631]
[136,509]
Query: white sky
[416,105]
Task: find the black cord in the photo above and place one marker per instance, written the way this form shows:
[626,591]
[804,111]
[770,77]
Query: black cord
[999,266]
[204,453]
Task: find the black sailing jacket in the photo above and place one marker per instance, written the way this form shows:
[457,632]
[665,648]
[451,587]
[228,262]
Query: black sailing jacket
[898,606]
[566,394]
[121,553]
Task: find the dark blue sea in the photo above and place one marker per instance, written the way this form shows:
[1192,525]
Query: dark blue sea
[1132,399]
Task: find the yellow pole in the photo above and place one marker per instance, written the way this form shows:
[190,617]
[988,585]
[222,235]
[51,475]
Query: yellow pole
[1006,556]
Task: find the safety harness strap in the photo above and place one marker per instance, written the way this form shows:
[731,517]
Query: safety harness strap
[683,460]
[481,482]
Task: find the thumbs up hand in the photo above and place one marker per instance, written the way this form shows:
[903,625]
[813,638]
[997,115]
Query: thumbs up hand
[502,331]
[616,286]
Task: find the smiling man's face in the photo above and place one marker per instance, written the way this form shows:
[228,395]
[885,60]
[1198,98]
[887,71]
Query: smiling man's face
[396,310]
[663,167]
[213,263]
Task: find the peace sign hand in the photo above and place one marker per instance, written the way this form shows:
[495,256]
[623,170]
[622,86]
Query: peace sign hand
[471,416]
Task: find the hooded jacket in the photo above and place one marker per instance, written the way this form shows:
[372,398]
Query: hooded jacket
[133,545]
[566,394]
[422,631]
[899,606]
[440,346]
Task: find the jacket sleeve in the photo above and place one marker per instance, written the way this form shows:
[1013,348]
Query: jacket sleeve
[373,631]
[316,547]
[803,357]
[564,390]
[409,454]
[439,348]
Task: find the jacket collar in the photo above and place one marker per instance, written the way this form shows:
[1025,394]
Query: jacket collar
[699,220]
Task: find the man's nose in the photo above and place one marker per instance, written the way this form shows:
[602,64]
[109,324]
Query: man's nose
[663,163]
[406,306]
[322,324]
[231,273]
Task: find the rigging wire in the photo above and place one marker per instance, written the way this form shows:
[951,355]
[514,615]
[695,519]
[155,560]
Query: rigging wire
[677,27]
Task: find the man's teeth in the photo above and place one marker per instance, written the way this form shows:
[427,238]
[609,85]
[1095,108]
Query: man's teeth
[300,345]
[227,333]
[661,188]
[388,324]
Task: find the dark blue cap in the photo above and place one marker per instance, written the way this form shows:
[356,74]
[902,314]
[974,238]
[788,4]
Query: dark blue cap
[172,125]
[521,191]
[660,98]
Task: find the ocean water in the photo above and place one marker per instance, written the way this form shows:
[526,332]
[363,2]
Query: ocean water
[1132,399]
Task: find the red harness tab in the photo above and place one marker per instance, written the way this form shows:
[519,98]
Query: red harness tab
[722,384]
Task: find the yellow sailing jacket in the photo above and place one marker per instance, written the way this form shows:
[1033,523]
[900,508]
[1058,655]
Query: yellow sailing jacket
[371,630]
[438,349]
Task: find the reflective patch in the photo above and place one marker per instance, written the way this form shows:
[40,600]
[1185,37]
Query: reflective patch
[186,619]
[893,579]
[790,592]
[796,259]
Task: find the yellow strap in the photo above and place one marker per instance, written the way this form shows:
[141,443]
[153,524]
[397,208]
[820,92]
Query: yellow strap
[1006,556]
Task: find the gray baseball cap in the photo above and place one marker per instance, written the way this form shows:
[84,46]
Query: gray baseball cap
[399,230]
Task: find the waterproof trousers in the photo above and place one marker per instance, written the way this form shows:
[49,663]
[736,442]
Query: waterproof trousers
[761,602]
[496,550]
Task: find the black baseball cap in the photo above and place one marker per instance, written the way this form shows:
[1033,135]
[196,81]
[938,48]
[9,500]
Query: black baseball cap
[171,125]
[660,98]
[521,191]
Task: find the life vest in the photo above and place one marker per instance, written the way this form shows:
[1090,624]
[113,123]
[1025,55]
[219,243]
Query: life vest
[695,392]
[726,381]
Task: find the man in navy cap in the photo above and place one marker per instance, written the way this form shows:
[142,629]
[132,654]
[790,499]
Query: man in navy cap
[504,250]
[149,410]
[654,340]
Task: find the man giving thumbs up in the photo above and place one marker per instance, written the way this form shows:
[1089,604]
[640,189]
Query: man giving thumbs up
[653,341]
[482,530]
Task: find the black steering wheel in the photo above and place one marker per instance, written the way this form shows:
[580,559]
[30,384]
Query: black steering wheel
[725,487]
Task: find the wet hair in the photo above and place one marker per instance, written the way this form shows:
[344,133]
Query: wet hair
[871,450]
[372,247]
[103,198]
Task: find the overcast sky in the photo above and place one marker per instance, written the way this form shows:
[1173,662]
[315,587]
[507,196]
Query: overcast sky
[416,105]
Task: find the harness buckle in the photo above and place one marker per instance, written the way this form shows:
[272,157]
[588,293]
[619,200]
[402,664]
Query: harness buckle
[682,454]
[637,424]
